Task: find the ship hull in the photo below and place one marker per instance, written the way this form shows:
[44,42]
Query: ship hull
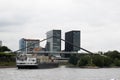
[47,65]
[38,66]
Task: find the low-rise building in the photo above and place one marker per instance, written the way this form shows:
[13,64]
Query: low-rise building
[26,45]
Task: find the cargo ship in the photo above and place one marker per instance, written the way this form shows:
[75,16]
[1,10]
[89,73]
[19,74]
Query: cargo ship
[30,61]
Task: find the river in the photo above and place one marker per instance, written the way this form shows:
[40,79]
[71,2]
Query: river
[60,73]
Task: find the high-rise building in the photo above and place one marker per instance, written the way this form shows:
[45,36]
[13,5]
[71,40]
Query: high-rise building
[0,43]
[28,44]
[54,42]
[72,37]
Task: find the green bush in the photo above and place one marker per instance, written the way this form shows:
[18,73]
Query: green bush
[7,59]
[107,61]
[98,60]
[84,61]
[117,62]
[73,60]
[113,54]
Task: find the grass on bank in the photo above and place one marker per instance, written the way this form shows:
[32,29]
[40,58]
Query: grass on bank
[7,64]
[7,59]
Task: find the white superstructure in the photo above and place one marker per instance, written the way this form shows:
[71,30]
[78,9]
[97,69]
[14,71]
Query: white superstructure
[26,60]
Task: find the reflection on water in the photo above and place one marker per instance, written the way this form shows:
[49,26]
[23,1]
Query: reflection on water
[60,73]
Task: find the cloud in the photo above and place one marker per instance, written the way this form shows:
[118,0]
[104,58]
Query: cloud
[98,20]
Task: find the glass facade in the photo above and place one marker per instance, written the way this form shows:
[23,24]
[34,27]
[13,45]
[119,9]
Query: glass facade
[54,43]
[22,44]
[74,38]
[28,44]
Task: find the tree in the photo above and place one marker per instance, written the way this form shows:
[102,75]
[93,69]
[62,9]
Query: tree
[107,61]
[117,62]
[113,54]
[98,60]
[73,60]
[4,48]
[85,60]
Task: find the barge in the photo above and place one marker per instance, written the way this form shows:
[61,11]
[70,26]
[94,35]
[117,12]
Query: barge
[29,61]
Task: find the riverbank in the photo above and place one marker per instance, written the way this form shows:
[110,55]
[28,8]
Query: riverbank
[7,60]
[89,67]
[83,67]
[7,66]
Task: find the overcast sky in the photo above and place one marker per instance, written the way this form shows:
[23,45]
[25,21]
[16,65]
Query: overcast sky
[98,21]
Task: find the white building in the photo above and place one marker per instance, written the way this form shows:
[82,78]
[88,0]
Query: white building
[28,44]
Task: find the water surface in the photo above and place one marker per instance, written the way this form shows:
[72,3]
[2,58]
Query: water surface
[60,73]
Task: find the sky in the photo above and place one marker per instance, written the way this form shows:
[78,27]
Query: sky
[98,21]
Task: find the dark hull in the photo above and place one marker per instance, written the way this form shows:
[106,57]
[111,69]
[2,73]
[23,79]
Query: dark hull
[39,66]
[48,65]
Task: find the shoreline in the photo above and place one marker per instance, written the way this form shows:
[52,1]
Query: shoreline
[82,67]
[7,66]
[90,67]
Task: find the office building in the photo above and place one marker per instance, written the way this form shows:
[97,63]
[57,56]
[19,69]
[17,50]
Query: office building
[0,43]
[27,45]
[72,37]
[54,42]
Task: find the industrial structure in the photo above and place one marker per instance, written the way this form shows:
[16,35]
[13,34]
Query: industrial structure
[52,54]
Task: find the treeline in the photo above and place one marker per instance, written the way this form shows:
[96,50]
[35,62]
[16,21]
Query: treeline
[108,59]
[4,48]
